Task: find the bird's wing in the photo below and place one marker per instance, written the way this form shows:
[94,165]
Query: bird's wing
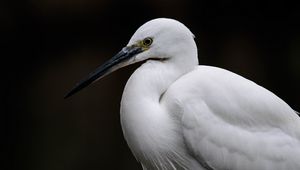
[229,122]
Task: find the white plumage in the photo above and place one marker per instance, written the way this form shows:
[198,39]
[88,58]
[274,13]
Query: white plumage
[176,114]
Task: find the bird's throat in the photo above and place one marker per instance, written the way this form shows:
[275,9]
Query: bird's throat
[141,112]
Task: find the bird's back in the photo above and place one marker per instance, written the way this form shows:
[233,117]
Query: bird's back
[232,123]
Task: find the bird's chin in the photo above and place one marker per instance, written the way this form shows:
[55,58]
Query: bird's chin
[142,61]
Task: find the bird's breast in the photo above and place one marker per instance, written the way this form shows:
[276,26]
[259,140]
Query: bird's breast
[154,137]
[153,134]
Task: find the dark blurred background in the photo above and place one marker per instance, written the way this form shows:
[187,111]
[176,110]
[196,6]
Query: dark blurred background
[48,45]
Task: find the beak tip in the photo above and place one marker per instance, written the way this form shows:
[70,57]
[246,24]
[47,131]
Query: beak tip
[69,94]
[66,96]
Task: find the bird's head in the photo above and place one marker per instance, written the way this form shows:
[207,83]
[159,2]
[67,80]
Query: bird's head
[160,39]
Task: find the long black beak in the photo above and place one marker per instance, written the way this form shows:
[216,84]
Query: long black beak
[116,62]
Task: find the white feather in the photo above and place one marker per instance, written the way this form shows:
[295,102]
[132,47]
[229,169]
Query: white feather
[178,115]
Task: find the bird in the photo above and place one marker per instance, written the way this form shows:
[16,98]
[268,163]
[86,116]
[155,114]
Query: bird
[179,115]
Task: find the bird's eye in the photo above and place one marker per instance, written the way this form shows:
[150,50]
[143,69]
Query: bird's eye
[147,41]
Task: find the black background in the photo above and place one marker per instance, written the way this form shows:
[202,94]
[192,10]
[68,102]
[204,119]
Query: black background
[48,45]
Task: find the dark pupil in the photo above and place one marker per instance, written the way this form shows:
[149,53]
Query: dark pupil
[147,41]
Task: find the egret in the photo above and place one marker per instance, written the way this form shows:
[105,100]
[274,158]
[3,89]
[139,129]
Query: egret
[176,114]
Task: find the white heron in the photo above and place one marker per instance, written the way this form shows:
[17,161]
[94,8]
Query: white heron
[176,114]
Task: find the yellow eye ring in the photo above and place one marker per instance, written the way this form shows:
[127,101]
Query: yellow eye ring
[147,41]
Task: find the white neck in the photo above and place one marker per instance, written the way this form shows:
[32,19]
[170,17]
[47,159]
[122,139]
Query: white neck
[149,129]
[141,112]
